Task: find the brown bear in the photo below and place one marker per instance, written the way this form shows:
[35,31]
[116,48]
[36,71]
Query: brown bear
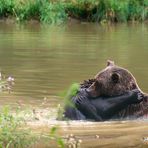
[113,81]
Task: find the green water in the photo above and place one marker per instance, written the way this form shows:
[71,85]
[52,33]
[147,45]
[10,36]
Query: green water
[45,60]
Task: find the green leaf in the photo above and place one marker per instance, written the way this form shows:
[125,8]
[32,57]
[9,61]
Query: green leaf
[53,130]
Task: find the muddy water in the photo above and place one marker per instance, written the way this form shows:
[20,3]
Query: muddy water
[45,60]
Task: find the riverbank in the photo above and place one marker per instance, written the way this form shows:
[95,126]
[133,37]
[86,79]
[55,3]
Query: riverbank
[57,12]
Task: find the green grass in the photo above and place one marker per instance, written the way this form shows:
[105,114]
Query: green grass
[58,11]
[110,10]
[42,10]
[11,132]
[6,7]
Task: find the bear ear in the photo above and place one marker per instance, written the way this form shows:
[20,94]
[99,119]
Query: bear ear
[115,77]
[110,63]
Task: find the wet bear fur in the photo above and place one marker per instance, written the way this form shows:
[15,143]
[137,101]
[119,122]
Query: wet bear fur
[113,81]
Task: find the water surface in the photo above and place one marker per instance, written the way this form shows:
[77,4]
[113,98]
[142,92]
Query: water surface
[45,60]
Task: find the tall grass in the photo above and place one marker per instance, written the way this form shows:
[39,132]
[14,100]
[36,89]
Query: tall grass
[57,11]
[42,10]
[110,10]
[6,7]
[52,12]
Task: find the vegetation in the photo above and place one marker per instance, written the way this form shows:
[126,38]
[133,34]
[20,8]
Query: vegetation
[11,134]
[72,91]
[58,11]
[42,10]
[66,96]
[13,130]
[6,83]
[14,133]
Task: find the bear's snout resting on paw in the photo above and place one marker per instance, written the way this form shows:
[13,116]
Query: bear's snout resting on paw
[115,80]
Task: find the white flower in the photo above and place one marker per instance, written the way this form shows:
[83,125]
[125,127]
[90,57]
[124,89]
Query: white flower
[10,79]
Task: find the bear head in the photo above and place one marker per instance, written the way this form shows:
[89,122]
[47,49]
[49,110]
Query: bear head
[113,80]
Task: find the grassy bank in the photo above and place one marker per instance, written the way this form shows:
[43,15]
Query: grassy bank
[58,11]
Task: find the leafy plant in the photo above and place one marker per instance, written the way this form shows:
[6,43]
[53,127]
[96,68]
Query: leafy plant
[11,132]
[53,135]
[14,132]
[71,92]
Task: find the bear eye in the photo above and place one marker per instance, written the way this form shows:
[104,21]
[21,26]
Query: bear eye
[115,77]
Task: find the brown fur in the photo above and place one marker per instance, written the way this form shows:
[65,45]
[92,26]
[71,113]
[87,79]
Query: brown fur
[115,80]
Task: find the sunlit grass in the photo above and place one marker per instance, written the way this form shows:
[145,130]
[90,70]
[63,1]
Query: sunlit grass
[58,11]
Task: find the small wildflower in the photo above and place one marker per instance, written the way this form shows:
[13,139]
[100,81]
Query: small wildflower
[10,79]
